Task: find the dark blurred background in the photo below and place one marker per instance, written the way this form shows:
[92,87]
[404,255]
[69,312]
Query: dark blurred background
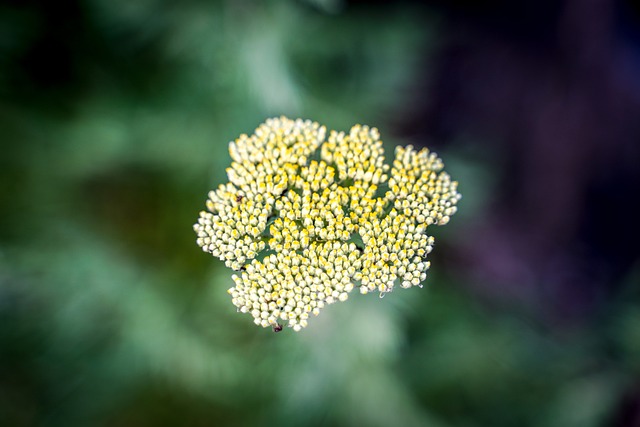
[114,123]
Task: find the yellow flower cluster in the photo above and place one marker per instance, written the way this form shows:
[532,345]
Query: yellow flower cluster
[306,218]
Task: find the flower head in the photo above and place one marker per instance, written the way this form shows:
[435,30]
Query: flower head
[306,218]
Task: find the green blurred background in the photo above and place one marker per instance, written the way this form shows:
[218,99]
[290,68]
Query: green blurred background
[114,122]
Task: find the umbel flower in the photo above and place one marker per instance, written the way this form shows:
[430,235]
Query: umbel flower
[307,217]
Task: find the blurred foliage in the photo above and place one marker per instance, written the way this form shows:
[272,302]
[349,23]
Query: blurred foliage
[114,123]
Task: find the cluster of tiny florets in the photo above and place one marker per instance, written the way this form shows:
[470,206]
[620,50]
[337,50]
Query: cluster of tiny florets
[305,219]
